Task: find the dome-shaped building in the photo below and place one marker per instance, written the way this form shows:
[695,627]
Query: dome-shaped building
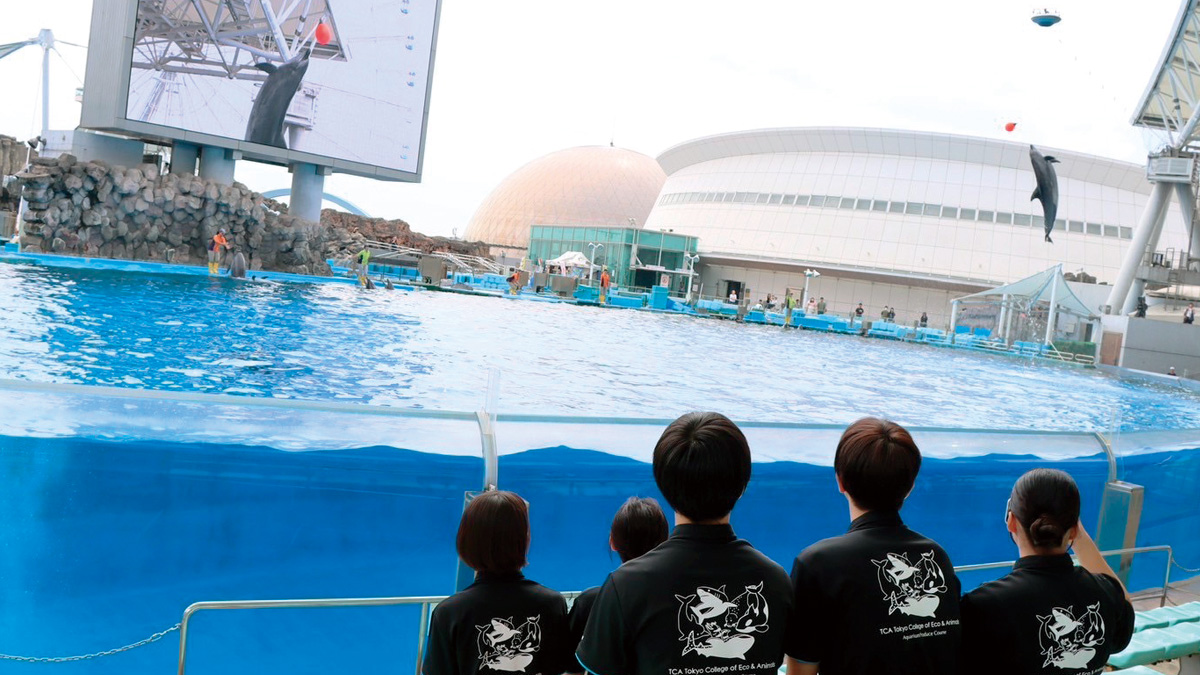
[596,186]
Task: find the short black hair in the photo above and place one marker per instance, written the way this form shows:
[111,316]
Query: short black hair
[1046,503]
[702,465]
[493,536]
[877,462]
[639,526]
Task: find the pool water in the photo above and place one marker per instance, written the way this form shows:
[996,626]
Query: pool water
[433,350]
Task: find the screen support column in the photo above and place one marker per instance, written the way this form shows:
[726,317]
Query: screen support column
[183,158]
[218,164]
[308,188]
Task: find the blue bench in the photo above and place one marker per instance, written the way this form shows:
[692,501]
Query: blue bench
[1163,634]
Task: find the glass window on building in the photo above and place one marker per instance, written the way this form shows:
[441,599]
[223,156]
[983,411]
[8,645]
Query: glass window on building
[1022,219]
[775,199]
[649,239]
[863,205]
[1004,217]
[916,208]
[1111,231]
[1094,228]
[761,198]
[847,203]
[743,197]
[788,200]
[817,200]
[1126,232]
[802,200]
[949,212]
[897,207]
[1074,226]
[966,214]
[879,205]
[933,209]
[1039,222]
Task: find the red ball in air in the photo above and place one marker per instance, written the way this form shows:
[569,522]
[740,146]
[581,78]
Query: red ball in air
[324,33]
[1007,127]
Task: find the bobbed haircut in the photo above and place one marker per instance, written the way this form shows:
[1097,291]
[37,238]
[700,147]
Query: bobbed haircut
[877,462]
[493,536]
[639,526]
[1046,503]
[702,465]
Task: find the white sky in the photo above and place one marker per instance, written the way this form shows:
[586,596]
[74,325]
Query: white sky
[516,80]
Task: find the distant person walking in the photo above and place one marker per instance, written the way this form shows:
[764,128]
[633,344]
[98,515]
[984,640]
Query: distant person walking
[821,306]
[1189,314]
[605,282]
[215,248]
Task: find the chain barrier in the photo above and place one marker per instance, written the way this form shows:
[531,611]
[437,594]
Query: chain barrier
[84,657]
[1189,570]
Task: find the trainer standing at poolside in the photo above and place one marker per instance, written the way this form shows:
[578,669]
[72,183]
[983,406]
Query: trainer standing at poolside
[605,282]
[215,247]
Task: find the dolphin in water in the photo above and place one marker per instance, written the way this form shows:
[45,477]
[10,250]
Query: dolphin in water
[1047,187]
[271,105]
[237,266]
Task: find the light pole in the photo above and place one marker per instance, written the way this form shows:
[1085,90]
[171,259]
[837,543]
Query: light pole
[808,275]
[689,263]
[592,260]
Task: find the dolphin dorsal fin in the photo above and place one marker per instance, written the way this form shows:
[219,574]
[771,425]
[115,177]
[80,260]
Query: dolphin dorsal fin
[1037,193]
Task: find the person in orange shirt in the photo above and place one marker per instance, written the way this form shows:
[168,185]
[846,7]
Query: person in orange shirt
[215,247]
[605,282]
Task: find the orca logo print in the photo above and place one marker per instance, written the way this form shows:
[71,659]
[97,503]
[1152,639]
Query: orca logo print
[909,587]
[710,624]
[1068,641]
[504,646]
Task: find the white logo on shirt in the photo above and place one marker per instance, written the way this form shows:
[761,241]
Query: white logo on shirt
[507,647]
[910,588]
[1068,642]
[712,625]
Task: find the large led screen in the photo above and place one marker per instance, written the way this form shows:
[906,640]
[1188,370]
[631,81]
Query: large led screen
[345,79]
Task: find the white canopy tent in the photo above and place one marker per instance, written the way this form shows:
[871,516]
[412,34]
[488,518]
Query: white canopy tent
[570,259]
[1028,300]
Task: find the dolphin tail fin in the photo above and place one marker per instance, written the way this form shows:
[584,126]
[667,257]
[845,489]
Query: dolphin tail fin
[1048,238]
[1037,193]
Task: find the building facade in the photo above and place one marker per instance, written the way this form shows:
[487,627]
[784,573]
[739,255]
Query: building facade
[892,218]
[635,258]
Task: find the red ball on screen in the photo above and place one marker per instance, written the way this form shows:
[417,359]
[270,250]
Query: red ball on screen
[324,33]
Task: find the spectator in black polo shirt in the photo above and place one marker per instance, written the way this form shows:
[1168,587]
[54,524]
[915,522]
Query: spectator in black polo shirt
[703,601]
[639,526]
[1047,615]
[502,623]
[881,598]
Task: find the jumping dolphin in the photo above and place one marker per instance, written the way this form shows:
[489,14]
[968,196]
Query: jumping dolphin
[237,266]
[270,106]
[1047,187]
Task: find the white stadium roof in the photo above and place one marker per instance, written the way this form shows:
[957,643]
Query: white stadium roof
[1170,102]
[917,144]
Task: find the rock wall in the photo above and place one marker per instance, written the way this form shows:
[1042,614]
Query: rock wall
[13,155]
[96,210]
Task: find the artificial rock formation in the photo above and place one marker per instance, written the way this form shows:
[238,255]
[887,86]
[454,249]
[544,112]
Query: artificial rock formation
[96,210]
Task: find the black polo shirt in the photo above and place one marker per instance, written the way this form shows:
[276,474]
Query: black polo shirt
[499,624]
[877,600]
[702,603]
[1046,616]
[581,609]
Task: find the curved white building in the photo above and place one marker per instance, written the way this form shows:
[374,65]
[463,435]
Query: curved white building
[597,186]
[891,218]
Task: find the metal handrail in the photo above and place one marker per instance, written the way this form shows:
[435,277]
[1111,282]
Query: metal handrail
[430,601]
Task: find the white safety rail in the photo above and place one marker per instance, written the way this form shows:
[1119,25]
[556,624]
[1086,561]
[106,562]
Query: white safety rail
[427,603]
[462,262]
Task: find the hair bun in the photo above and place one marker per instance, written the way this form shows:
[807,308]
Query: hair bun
[1045,532]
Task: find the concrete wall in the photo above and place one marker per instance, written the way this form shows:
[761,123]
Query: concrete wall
[1155,346]
[841,295]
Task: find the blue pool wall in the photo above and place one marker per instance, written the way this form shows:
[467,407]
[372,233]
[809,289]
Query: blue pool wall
[107,541]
